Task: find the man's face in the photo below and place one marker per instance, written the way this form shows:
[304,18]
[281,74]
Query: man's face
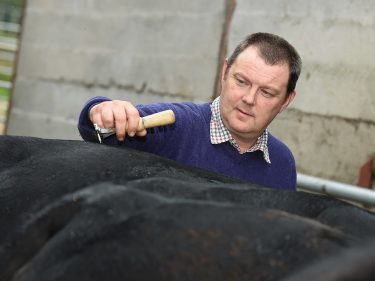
[253,93]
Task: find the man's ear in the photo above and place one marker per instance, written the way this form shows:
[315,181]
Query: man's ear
[288,100]
[224,69]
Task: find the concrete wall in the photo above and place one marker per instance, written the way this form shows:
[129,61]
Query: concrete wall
[163,50]
[143,51]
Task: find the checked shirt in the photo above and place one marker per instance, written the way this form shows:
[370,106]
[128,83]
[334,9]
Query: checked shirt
[219,133]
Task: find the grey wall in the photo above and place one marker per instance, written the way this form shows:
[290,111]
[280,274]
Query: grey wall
[143,51]
[147,51]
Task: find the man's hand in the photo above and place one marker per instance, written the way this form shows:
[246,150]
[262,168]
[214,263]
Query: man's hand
[121,115]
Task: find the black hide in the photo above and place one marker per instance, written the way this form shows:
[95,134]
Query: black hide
[71,210]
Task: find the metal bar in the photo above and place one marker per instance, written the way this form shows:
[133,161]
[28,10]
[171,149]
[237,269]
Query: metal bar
[6,70]
[10,27]
[7,56]
[341,190]
[5,84]
[8,47]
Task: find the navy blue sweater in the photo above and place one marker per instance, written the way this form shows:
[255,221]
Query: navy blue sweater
[188,141]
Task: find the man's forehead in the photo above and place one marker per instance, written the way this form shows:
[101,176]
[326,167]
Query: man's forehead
[274,77]
[251,58]
[253,52]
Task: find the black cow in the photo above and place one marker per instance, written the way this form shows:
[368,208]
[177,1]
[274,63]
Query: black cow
[71,210]
[352,264]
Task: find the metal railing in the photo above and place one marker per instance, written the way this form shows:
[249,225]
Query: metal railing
[11,12]
[9,33]
[355,194]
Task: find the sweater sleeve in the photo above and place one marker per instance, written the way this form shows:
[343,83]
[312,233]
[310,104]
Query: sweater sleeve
[168,141]
[165,141]
[85,126]
[284,174]
[293,176]
[155,139]
[158,139]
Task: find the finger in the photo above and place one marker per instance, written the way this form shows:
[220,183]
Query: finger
[106,112]
[132,117]
[95,115]
[141,133]
[119,114]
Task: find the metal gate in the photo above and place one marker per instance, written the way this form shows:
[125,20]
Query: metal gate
[10,22]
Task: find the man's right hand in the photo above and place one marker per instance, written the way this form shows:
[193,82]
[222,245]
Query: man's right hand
[121,115]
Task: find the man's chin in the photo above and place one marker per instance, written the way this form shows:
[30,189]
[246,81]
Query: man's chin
[242,127]
[243,131]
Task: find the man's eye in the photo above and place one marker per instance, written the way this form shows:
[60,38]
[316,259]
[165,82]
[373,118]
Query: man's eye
[266,94]
[240,81]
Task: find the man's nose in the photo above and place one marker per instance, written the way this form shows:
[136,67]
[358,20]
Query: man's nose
[250,96]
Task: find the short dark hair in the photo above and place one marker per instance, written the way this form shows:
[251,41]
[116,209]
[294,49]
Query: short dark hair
[274,50]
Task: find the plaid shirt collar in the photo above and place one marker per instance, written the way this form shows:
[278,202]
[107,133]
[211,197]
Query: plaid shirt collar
[219,133]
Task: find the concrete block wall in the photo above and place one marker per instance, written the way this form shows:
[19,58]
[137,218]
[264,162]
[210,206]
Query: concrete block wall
[142,51]
[330,126]
[147,51]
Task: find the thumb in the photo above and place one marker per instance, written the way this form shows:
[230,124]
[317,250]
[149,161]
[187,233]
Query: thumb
[141,133]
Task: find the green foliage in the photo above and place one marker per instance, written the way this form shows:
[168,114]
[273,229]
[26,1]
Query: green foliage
[5,77]
[4,94]
[8,34]
[17,3]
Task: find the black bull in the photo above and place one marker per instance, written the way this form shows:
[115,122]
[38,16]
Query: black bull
[71,210]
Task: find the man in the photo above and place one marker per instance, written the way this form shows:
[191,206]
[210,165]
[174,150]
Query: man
[230,134]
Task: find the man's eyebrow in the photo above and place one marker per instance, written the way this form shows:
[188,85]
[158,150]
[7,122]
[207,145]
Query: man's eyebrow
[240,75]
[271,90]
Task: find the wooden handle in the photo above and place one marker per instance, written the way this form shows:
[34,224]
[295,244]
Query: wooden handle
[157,119]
